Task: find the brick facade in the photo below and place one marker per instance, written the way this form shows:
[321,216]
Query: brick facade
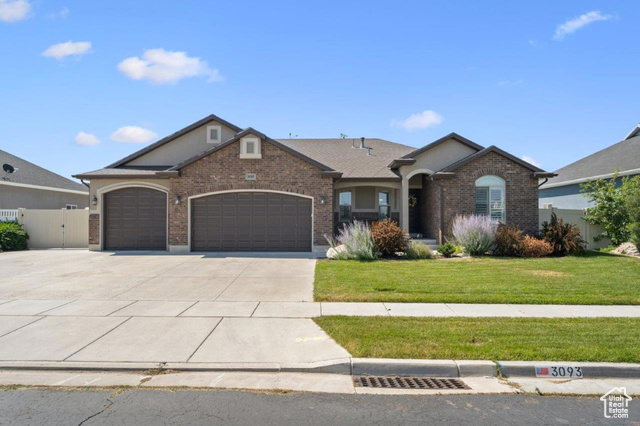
[223,170]
[94,229]
[445,198]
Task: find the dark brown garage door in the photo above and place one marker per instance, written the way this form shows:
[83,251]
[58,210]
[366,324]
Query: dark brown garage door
[135,219]
[251,221]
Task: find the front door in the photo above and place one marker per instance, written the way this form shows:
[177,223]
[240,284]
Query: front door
[415,211]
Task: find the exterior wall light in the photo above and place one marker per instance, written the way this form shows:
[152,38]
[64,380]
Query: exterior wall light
[94,201]
[323,200]
[178,199]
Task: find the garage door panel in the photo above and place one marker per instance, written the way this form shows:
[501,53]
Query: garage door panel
[260,221]
[135,219]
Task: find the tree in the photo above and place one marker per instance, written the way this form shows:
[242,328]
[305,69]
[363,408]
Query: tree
[610,210]
[633,206]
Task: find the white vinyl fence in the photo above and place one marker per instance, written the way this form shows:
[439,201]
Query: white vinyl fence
[8,215]
[587,230]
[56,228]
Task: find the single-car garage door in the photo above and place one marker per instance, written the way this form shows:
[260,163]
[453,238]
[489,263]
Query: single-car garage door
[135,219]
[251,221]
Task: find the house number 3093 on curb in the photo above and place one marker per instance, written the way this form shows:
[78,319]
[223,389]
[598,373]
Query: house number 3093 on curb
[559,371]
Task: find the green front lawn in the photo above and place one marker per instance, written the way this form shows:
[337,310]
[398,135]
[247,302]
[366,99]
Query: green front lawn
[596,278]
[497,339]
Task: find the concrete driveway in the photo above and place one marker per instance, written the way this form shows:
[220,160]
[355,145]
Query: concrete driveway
[77,306]
[84,275]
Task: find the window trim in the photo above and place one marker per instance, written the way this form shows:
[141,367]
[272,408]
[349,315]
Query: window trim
[350,205]
[214,141]
[243,148]
[503,189]
[387,206]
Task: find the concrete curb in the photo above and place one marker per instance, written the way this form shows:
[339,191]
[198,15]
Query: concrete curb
[348,366]
[425,368]
[590,370]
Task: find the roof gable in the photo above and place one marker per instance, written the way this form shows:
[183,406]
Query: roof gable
[263,137]
[442,140]
[486,151]
[208,119]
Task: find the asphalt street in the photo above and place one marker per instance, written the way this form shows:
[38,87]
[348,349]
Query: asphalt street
[195,407]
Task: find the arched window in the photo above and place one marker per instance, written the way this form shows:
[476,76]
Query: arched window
[490,197]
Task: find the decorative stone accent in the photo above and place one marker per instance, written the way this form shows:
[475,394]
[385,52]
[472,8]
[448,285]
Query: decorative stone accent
[628,249]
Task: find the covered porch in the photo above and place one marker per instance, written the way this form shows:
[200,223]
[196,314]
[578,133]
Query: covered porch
[370,201]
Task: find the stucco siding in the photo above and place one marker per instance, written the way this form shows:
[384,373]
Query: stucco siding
[15,197]
[182,148]
[439,157]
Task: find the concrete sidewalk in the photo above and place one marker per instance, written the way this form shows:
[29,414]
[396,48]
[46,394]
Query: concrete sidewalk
[263,309]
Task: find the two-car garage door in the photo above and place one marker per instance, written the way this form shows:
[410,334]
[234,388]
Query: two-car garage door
[251,221]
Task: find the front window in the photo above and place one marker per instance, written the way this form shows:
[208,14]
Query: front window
[384,208]
[490,197]
[71,207]
[344,208]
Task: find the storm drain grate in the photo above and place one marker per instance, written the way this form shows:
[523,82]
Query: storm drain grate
[408,383]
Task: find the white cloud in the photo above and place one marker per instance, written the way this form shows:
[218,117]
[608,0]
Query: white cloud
[422,120]
[69,48]
[532,161]
[133,134]
[165,67]
[573,25]
[61,14]
[86,139]
[14,10]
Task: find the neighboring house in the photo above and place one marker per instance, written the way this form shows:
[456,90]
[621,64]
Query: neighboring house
[563,191]
[32,187]
[213,186]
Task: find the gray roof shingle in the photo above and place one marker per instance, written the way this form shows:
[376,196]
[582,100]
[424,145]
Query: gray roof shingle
[29,174]
[122,172]
[623,156]
[352,162]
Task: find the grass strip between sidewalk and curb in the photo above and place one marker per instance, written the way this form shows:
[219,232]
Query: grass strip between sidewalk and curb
[593,279]
[505,339]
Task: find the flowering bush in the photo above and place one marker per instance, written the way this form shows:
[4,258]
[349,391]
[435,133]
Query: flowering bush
[533,247]
[389,238]
[357,240]
[475,233]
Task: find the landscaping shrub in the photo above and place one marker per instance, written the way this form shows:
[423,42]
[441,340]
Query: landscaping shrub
[509,241]
[447,249]
[564,238]
[389,238]
[476,234]
[357,240]
[633,207]
[417,250]
[534,247]
[12,237]
[611,206]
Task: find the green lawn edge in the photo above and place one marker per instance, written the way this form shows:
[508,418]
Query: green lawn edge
[495,339]
[593,279]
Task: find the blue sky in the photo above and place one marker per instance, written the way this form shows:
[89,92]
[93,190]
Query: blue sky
[550,80]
